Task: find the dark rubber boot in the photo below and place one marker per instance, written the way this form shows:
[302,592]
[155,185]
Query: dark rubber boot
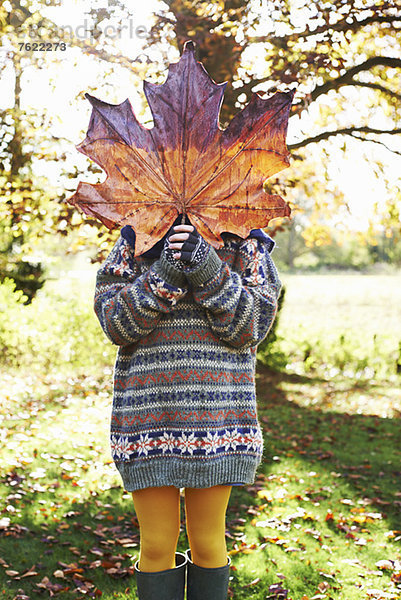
[162,585]
[206,583]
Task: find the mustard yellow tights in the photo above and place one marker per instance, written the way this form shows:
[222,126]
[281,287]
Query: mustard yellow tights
[158,512]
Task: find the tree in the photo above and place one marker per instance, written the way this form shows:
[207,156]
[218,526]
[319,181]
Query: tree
[338,53]
[29,209]
[386,245]
[341,52]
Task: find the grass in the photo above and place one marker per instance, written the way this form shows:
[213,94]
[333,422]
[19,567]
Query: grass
[323,513]
[332,323]
[322,520]
[368,303]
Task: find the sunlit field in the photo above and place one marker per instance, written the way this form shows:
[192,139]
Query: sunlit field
[348,322]
[321,520]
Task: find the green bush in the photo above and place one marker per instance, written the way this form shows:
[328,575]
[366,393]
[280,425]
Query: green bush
[55,331]
[11,323]
[326,354]
[269,353]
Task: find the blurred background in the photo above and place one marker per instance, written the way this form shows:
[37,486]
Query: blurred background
[336,342]
[340,253]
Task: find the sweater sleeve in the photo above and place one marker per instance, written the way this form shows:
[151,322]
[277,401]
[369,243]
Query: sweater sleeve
[129,304]
[241,308]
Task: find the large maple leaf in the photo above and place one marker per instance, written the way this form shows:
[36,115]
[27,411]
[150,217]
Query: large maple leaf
[186,164]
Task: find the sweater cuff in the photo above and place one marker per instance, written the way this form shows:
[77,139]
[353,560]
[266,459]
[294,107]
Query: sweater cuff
[167,272]
[207,270]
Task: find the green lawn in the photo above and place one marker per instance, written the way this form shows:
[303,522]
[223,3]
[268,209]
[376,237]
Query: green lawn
[366,304]
[322,520]
[342,322]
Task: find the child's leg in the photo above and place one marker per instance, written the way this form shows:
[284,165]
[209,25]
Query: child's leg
[158,512]
[205,510]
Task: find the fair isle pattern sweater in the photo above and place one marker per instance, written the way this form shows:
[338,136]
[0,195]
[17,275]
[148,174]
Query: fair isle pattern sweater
[184,409]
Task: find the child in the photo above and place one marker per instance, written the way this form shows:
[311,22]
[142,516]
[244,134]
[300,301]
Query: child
[187,320]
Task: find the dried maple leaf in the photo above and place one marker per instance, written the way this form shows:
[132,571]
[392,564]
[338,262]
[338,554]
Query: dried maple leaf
[186,164]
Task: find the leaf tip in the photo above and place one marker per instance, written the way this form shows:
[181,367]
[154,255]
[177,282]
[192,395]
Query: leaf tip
[291,93]
[189,46]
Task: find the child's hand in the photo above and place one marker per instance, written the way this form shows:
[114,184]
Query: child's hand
[193,248]
[176,241]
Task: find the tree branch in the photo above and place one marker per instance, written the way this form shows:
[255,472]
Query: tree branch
[247,87]
[357,137]
[347,78]
[333,84]
[376,86]
[326,28]
[346,131]
[118,59]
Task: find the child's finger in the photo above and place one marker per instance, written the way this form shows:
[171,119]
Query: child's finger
[183,228]
[181,237]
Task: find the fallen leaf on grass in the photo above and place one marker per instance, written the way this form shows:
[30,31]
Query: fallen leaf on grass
[98,551]
[30,572]
[396,578]
[367,518]
[361,542]
[72,513]
[354,562]
[83,586]
[254,582]
[14,530]
[243,549]
[20,595]
[265,495]
[380,595]
[52,588]
[12,573]
[388,564]
[326,575]
[71,568]
[276,592]
[392,534]
[4,522]
[127,542]
[59,573]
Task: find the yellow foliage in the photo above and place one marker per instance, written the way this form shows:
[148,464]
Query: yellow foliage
[317,234]
[265,495]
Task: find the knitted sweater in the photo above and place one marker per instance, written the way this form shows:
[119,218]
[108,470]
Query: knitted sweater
[184,409]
